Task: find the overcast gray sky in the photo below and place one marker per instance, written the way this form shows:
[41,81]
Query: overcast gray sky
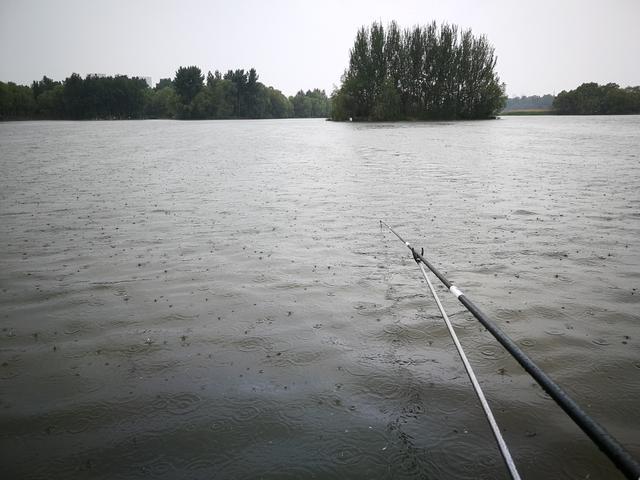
[543,46]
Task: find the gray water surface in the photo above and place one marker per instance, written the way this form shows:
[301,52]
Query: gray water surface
[217,299]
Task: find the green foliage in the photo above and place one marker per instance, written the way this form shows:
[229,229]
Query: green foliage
[161,103]
[163,83]
[313,103]
[188,82]
[236,94]
[523,113]
[343,103]
[281,107]
[50,102]
[389,107]
[43,86]
[16,101]
[594,99]
[94,97]
[426,72]
[240,91]
[48,95]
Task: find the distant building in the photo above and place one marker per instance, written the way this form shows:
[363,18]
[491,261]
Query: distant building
[164,82]
[148,80]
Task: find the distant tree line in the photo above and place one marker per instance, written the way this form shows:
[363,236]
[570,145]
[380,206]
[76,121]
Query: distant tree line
[236,94]
[594,99]
[427,72]
[533,102]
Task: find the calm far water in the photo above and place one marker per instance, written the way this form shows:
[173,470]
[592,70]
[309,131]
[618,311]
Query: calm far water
[217,299]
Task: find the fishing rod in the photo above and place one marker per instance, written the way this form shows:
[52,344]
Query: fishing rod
[502,445]
[609,445]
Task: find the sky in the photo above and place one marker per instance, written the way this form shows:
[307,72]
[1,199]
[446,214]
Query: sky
[542,46]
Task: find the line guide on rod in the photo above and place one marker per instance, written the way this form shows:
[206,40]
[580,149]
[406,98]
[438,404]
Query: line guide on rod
[609,445]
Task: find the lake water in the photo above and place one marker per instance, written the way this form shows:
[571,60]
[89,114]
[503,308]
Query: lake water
[218,300]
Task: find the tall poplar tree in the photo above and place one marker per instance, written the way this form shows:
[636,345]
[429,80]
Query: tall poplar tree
[426,72]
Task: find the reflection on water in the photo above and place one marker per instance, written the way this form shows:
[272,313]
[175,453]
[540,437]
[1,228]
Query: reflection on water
[216,299]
